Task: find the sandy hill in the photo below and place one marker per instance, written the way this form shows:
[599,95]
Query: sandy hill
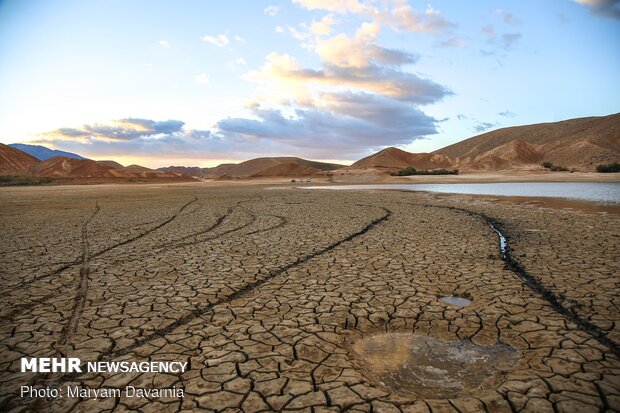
[43,153]
[15,162]
[579,143]
[394,158]
[61,166]
[258,167]
[112,164]
[198,172]
[280,166]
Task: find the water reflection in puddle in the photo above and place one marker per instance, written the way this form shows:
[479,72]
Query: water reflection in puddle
[428,367]
[456,301]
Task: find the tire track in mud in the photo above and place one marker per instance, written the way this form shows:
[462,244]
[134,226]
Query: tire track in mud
[248,288]
[80,296]
[534,283]
[24,307]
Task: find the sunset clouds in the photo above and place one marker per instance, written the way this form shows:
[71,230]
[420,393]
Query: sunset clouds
[323,79]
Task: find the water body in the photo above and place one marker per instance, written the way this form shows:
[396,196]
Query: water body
[429,367]
[455,301]
[606,192]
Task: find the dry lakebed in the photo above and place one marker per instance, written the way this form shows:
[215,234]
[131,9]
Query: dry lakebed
[312,301]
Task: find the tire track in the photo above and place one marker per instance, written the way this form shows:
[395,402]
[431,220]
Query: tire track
[80,296]
[248,288]
[77,261]
[24,307]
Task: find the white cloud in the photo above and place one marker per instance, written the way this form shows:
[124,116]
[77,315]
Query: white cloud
[164,44]
[271,10]
[238,62]
[279,29]
[239,39]
[219,40]
[338,6]
[202,78]
[323,26]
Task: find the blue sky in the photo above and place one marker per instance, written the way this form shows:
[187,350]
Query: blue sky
[200,83]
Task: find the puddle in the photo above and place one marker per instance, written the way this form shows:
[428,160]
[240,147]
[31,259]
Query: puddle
[431,368]
[457,301]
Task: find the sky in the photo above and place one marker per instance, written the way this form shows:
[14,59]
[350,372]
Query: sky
[198,83]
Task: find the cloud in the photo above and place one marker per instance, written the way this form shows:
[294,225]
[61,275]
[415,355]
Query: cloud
[323,26]
[338,6]
[483,126]
[453,42]
[405,18]
[509,40]
[271,10]
[507,17]
[128,138]
[346,126]
[507,114]
[237,63]
[396,13]
[219,40]
[164,44]
[239,39]
[283,73]
[202,78]
[118,130]
[506,40]
[604,8]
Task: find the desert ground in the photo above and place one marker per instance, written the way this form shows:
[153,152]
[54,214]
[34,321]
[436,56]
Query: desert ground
[315,301]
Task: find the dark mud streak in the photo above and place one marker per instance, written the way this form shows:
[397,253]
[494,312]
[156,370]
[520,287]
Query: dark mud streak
[80,296]
[199,312]
[536,285]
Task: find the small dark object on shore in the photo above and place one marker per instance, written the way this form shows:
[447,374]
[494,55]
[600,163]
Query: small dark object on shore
[554,168]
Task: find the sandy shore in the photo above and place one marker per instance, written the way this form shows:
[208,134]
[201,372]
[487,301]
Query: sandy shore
[290,299]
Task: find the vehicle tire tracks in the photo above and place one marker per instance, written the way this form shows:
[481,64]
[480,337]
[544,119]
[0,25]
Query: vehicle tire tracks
[248,288]
[24,307]
[80,296]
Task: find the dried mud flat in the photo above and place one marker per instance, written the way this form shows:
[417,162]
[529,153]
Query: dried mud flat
[268,294]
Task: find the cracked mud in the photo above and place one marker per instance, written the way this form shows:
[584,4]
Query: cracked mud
[266,295]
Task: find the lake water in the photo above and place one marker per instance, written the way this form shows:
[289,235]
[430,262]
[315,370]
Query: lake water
[608,192]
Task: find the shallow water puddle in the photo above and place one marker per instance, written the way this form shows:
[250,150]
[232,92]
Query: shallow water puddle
[428,367]
[456,301]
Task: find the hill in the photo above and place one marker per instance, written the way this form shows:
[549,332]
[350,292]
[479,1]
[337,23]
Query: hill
[258,167]
[15,162]
[579,143]
[43,153]
[394,158]
[279,166]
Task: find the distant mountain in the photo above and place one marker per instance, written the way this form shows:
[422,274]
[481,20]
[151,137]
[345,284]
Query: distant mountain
[15,162]
[579,143]
[258,167]
[42,153]
[394,158]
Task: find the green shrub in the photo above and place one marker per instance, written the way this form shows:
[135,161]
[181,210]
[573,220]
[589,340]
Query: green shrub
[608,168]
[412,171]
[23,180]
[554,168]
